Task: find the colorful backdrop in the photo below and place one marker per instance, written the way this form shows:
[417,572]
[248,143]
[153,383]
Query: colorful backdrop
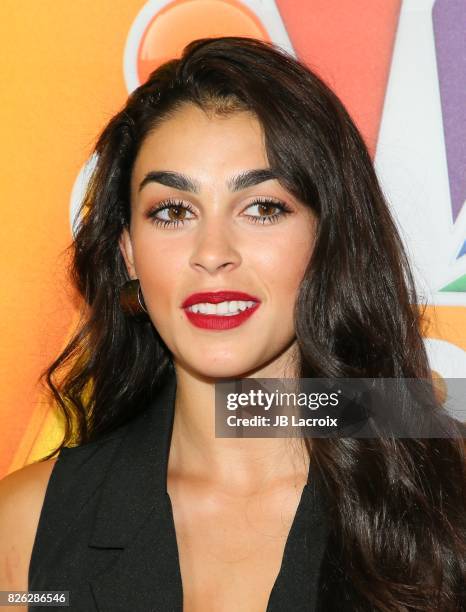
[399,67]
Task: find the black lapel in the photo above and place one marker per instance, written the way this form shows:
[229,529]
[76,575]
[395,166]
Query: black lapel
[134,514]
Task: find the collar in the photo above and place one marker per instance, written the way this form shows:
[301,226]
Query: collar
[134,514]
[137,478]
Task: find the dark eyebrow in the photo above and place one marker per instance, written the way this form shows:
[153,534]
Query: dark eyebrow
[249,178]
[171,179]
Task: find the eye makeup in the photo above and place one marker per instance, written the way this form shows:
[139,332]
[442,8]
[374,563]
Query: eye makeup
[173,204]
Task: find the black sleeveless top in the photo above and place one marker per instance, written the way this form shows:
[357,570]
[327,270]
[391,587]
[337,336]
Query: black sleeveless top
[106,532]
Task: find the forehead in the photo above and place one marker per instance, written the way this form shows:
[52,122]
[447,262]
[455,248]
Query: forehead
[192,140]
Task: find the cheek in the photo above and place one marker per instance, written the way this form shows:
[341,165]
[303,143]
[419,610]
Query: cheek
[159,264]
[284,263]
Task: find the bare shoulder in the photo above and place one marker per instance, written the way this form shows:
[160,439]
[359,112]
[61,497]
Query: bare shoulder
[22,495]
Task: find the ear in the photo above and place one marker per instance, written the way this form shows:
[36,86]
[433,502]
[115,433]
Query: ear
[126,249]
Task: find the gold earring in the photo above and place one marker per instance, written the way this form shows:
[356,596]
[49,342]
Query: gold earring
[131,299]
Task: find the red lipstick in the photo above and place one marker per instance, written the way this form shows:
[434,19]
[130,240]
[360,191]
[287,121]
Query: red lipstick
[219,322]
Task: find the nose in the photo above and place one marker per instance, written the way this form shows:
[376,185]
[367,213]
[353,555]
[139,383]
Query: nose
[214,248]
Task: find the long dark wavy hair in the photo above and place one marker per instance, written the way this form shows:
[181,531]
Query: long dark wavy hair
[396,506]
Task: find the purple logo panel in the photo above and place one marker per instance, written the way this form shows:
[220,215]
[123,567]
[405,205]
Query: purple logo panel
[449,21]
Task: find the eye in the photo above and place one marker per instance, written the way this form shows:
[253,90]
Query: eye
[175,211]
[265,204]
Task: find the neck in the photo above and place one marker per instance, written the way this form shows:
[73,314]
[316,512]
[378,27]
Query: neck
[239,465]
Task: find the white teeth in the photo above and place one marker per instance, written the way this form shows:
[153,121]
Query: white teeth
[223,309]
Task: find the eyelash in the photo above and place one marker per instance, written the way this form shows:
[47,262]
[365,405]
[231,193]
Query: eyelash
[171,203]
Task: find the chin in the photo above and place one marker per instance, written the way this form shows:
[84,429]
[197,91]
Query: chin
[222,369]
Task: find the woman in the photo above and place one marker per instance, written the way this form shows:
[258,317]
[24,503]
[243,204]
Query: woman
[235,173]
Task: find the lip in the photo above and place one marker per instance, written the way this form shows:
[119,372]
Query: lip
[215,297]
[219,322]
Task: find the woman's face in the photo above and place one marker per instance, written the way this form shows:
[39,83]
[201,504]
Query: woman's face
[212,170]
